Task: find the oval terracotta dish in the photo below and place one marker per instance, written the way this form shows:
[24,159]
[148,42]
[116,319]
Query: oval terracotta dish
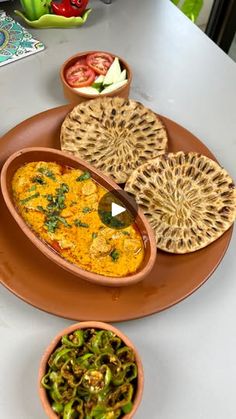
[35,154]
[84,325]
[76,97]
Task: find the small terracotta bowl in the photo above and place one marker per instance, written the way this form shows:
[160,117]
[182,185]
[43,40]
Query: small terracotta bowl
[76,97]
[84,325]
[35,154]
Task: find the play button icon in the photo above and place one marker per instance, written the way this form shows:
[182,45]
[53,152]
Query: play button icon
[117,209]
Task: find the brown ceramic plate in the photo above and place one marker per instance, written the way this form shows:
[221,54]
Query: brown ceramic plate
[33,154]
[52,289]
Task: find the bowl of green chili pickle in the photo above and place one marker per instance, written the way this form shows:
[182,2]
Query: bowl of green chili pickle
[91,370]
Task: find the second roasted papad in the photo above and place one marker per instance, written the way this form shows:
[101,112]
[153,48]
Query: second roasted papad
[188,199]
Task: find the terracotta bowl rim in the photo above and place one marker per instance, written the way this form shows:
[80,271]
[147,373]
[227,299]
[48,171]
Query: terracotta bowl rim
[83,325]
[86,95]
[95,278]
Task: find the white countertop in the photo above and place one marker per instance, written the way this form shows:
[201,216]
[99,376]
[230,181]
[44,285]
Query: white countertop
[189,350]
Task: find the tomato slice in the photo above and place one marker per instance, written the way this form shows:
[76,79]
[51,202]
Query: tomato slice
[56,246]
[80,75]
[82,60]
[99,62]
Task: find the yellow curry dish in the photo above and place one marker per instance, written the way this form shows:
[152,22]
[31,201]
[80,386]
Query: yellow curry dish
[60,204]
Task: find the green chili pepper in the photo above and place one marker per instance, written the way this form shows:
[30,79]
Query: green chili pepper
[75,339]
[62,356]
[127,407]
[105,370]
[57,407]
[109,359]
[121,396]
[126,354]
[115,342]
[72,373]
[101,342]
[88,334]
[103,413]
[55,377]
[58,386]
[67,394]
[97,380]
[86,360]
[74,409]
[130,371]
[98,411]
[46,381]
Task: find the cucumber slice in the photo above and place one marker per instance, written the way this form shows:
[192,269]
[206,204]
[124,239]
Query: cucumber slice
[122,75]
[113,87]
[87,90]
[99,79]
[113,73]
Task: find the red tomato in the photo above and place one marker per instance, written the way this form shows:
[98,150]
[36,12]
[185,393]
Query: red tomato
[79,6]
[56,246]
[99,62]
[80,75]
[82,60]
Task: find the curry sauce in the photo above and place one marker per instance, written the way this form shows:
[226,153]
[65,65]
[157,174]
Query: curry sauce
[60,204]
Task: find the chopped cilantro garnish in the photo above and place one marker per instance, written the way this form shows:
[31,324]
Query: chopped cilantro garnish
[47,172]
[33,188]
[49,197]
[39,180]
[23,201]
[52,222]
[84,176]
[110,221]
[94,235]
[115,255]
[86,210]
[79,223]
[57,202]
[126,233]
[64,188]
[40,208]
[63,221]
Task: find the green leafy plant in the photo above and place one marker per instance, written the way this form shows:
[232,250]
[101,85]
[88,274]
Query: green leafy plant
[191,8]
